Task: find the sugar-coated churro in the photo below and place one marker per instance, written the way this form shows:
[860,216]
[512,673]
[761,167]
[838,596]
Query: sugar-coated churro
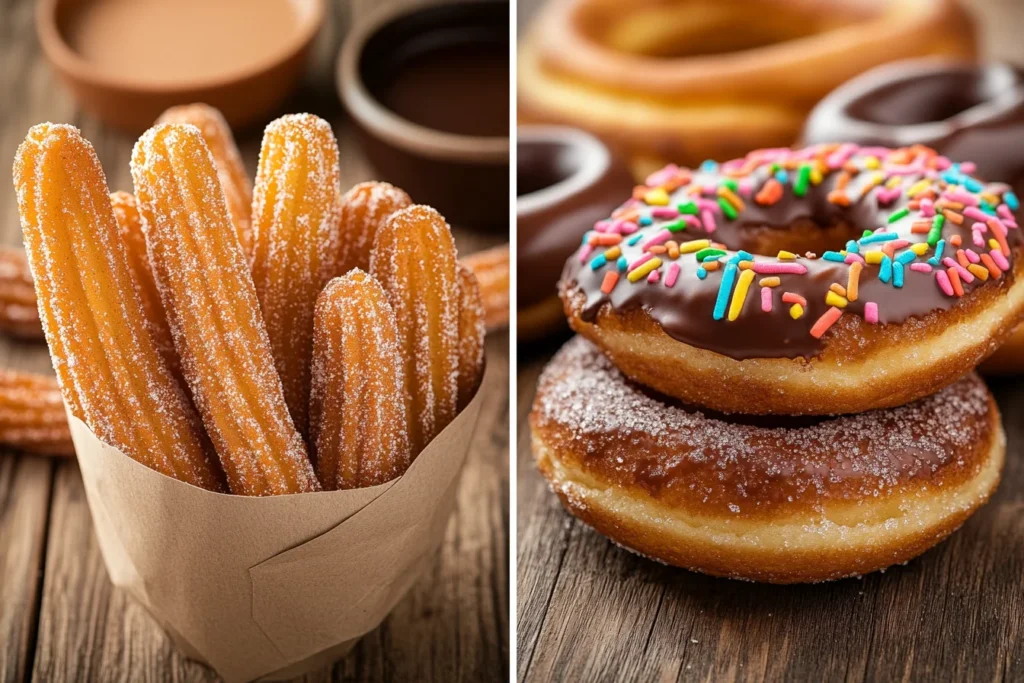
[414,260]
[214,315]
[230,170]
[295,229]
[491,269]
[364,209]
[471,335]
[32,416]
[129,224]
[19,314]
[357,404]
[110,371]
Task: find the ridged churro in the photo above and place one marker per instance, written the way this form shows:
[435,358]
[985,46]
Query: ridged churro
[491,269]
[471,335]
[19,314]
[295,229]
[357,404]
[110,371]
[230,170]
[214,315]
[32,416]
[364,209]
[414,260]
[129,224]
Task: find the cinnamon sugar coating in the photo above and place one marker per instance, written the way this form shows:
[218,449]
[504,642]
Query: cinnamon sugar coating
[214,314]
[357,407]
[110,371]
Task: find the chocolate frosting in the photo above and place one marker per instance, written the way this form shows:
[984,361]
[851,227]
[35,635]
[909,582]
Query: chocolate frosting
[566,178]
[964,111]
[686,309]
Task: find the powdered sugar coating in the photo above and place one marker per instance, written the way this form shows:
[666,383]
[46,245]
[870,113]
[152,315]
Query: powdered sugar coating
[129,224]
[234,179]
[110,372]
[622,433]
[364,209]
[214,315]
[357,403]
[414,260]
[296,243]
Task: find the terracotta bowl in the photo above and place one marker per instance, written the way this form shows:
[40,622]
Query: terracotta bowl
[249,93]
[465,177]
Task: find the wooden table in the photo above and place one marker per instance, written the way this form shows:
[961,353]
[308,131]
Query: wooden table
[589,610]
[60,618]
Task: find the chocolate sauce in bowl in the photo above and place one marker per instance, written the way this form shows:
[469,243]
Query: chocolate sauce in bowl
[456,84]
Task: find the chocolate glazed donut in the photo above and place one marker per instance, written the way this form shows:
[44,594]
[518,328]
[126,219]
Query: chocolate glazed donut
[566,178]
[964,111]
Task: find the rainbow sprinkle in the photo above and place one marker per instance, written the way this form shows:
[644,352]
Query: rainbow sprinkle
[923,202]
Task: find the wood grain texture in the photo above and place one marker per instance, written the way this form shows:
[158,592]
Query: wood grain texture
[60,618]
[589,610]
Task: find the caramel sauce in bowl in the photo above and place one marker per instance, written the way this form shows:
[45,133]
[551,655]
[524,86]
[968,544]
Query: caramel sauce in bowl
[126,61]
[428,89]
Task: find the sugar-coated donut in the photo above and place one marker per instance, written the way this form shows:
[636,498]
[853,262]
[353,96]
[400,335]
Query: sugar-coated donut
[964,111]
[927,285]
[565,177]
[686,81]
[832,498]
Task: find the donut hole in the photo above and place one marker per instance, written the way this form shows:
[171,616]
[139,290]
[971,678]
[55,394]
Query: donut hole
[541,164]
[687,29]
[804,235]
[926,99]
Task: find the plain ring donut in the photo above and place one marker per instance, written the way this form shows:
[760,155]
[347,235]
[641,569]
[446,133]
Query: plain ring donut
[688,81]
[676,289]
[839,497]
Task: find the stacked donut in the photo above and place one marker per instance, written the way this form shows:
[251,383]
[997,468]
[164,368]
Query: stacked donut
[773,379]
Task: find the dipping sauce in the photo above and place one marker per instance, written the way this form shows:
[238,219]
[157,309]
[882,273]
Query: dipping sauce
[168,41]
[458,86]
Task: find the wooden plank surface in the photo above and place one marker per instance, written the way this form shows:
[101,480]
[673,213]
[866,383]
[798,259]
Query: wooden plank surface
[589,610]
[60,618]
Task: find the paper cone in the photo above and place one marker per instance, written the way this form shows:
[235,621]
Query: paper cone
[275,586]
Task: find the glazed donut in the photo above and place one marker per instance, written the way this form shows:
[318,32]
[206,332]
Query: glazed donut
[564,178]
[928,284]
[711,79]
[783,504]
[963,111]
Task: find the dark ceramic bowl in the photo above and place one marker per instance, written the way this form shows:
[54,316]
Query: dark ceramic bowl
[464,176]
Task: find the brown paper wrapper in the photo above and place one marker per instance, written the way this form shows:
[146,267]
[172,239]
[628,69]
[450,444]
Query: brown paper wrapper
[269,587]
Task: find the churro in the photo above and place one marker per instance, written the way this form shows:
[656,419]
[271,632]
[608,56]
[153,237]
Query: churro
[491,269]
[357,405]
[414,260]
[230,170]
[214,315]
[364,209]
[295,230]
[471,335]
[19,314]
[110,372]
[32,416]
[129,224]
